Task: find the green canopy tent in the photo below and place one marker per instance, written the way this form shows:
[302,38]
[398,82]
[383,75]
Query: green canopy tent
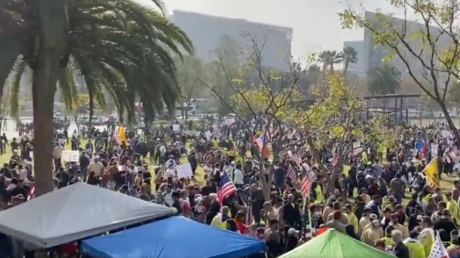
[335,244]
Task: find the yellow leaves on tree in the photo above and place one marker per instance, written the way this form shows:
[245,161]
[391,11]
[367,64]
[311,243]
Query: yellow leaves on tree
[81,104]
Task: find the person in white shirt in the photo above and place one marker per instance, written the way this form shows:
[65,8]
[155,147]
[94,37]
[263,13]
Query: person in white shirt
[167,196]
[207,171]
[238,177]
[170,173]
[162,151]
[96,166]
[22,172]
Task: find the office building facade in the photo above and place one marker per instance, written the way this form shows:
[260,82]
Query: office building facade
[374,55]
[206,30]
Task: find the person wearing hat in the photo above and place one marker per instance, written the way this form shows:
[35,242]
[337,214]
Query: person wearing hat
[403,229]
[292,240]
[365,220]
[372,233]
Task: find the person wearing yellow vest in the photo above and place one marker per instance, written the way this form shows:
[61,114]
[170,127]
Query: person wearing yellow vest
[215,143]
[388,239]
[416,249]
[351,218]
[427,237]
[318,193]
[453,208]
[220,220]
[364,157]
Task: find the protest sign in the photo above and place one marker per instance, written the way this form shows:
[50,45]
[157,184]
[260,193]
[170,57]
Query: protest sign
[184,170]
[70,156]
[176,127]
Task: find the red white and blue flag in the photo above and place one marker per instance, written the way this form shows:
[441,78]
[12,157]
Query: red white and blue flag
[260,142]
[226,187]
[291,174]
[307,182]
[31,193]
[296,158]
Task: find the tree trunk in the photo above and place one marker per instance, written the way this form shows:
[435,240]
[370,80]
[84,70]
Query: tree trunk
[345,68]
[52,20]
[43,89]
[91,114]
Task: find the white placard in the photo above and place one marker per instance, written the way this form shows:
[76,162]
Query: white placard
[184,170]
[434,150]
[176,127]
[446,134]
[70,156]
[357,148]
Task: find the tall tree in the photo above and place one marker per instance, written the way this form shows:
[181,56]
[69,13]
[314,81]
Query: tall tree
[383,80]
[225,65]
[190,72]
[350,56]
[329,59]
[429,53]
[119,46]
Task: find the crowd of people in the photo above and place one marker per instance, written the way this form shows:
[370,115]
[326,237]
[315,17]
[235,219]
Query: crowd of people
[382,198]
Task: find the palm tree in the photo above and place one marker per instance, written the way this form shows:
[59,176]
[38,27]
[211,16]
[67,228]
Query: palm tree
[383,80]
[120,47]
[350,56]
[329,59]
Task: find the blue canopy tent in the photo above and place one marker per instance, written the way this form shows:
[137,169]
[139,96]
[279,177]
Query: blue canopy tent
[175,237]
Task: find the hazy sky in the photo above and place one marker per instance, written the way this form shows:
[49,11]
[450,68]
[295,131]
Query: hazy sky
[315,23]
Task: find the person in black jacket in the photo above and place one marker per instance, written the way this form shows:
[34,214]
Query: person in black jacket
[84,163]
[400,250]
[291,213]
[444,222]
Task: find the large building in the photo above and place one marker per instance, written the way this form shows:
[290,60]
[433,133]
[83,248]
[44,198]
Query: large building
[206,30]
[358,67]
[374,55]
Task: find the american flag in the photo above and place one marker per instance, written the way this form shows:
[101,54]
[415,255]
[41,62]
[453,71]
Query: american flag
[297,159]
[307,181]
[438,250]
[291,174]
[31,193]
[260,142]
[226,187]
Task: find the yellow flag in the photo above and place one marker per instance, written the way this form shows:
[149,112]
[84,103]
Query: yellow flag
[431,173]
[121,134]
